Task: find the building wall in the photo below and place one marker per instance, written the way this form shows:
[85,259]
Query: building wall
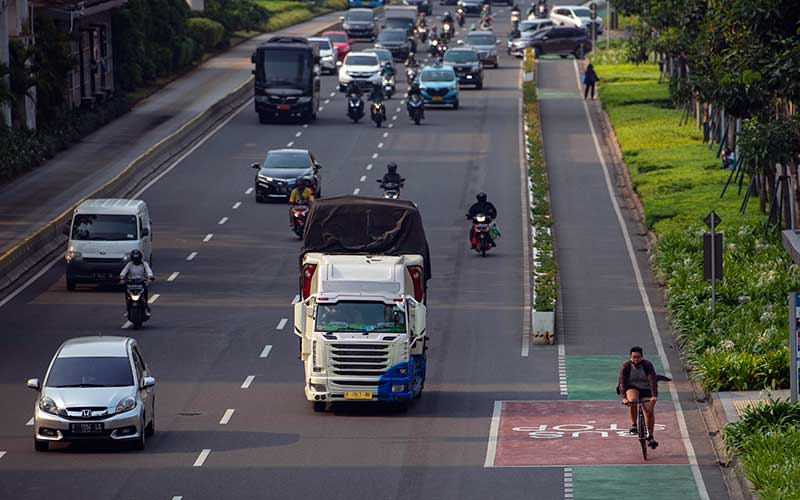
[91,48]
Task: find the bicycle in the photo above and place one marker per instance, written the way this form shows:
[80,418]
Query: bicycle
[641,427]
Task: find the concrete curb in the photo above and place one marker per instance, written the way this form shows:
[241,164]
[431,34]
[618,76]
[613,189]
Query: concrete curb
[736,474]
[23,257]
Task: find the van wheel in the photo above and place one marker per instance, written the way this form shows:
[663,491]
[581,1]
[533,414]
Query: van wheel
[40,445]
[319,407]
[71,288]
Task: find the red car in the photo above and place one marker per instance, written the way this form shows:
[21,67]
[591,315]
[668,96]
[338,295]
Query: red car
[340,40]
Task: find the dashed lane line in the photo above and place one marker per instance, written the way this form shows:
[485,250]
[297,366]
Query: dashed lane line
[248,381]
[321,108]
[153,298]
[265,352]
[562,370]
[222,221]
[298,134]
[369,167]
[237,205]
[177,498]
[2,454]
[394,118]
[296,299]
[363,178]
[380,145]
[281,324]
[173,276]
[391,125]
[327,101]
[191,256]
[226,417]
[397,110]
[29,422]
[201,458]
[385,135]
[248,191]
[568,483]
[356,191]
[374,155]
[127,325]
[305,125]
[333,94]
[290,144]
[208,237]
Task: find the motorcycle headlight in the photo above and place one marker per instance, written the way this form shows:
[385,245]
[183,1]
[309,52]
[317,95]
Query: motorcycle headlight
[327,58]
[434,43]
[47,405]
[480,218]
[73,255]
[126,404]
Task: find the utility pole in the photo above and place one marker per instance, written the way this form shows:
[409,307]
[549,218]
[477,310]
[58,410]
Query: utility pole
[5,58]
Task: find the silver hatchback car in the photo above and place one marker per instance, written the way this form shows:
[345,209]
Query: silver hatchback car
[95,388]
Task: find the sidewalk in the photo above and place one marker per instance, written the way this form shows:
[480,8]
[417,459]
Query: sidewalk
[31,201]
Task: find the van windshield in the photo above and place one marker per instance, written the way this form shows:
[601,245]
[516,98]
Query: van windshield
[104,227]
[351,316]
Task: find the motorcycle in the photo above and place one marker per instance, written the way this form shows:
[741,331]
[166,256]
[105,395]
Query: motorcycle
[378,112]
[422,33]
[460,17]
[486,23]
[388,86]
[411,74]
[416,108]
[481,234]
[434,48]
[298,213]
[447,30]
[391,190]
[135,303]
[355,108]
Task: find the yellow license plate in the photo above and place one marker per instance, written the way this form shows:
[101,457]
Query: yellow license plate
[357,395]
[437,98]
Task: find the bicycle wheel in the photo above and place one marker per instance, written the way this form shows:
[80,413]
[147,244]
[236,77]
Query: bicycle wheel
[642,431]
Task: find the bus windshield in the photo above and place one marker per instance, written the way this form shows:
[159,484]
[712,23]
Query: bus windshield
[286,69]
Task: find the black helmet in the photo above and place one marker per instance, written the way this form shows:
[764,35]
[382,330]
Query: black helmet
[301,182]
[392,168]
[481,197]
[136,257]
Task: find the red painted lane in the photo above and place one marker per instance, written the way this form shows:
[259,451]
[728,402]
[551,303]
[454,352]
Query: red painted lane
[541,433]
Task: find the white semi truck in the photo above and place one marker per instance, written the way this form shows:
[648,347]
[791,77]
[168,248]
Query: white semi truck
[361,316]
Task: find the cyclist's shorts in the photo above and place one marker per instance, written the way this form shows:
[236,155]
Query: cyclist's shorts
[643,393]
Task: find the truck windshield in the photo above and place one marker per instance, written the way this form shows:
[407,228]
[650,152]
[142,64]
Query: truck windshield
[349,316]
[287,69]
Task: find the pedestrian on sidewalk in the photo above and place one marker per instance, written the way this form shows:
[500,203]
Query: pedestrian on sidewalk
[589,79]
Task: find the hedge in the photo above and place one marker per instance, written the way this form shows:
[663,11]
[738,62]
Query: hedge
[206,32]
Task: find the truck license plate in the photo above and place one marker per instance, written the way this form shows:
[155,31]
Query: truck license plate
[357,395]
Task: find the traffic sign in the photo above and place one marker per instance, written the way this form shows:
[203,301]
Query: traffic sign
[712,220]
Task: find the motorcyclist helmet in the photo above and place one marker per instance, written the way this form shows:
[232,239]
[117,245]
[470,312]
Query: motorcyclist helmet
[481,197]
[136,257]
[302,183]
[392,168]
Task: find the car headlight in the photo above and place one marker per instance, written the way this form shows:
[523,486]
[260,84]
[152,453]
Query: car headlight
[265,178]
[327,58]
[346,26]
[47,405]
[126,404]
[304,99]
[73,255]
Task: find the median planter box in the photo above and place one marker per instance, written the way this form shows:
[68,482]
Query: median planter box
[544,323]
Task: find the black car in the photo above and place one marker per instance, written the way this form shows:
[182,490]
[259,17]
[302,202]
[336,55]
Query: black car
[471,7]
[448,2]
[561,40]
[359,23]
[280,171]
[467,65]
[396,41]
[423,6]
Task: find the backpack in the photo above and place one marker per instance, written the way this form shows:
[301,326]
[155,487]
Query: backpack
[585,78]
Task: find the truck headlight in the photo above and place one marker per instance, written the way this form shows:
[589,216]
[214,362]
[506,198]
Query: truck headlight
[73,255]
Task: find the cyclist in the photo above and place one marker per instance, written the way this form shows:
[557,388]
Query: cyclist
[638,380]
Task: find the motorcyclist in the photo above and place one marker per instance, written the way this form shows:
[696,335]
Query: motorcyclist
[377,94]
[411,62]
[353,89]
[414,89]
[138,270]
[483,206]
[391,176]
[447,18]
[514,9]
[514,33]
[388,70]
[302,194]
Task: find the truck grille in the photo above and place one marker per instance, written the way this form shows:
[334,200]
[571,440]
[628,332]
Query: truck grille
[370,360]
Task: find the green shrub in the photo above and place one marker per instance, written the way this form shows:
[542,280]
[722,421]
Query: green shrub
[236,15]
[289,18]
[205,32]
[774,415]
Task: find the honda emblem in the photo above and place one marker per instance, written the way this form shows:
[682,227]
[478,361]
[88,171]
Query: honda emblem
[86,413]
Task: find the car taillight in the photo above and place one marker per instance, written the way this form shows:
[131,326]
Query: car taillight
[308,273]
[418,280]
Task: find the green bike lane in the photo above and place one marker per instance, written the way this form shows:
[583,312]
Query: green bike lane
[609,302]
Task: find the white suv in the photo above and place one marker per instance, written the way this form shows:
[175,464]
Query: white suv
[573,15]
[364,68]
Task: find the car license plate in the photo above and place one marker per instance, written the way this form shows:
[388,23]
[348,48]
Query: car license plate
[87,428]
[437,98]
[357,395]
[283,106]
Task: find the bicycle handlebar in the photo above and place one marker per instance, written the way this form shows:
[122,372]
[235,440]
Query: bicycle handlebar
[635,401]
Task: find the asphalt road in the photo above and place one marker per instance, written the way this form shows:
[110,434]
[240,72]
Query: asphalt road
[212,324]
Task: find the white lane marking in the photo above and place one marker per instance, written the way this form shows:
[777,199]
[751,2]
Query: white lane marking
[321,108]
[281,324]
[265,351]
[296,299]
[333,94]
[491,448]
[374,155]
[177,498]
[31,280]
[237,205]
[568,490]
[173,276]
[305,125]
[394,118]
[397,110]
[127,325]
[153,298]
[380,145]
[298,134]
[527,230]
[248,381]
[327,101]
[222,221]
[290,144]
[402,101]
[191,256]
[201,458]
[30,422]
[562,367]
[391,125]
[369,167]
[208,237]
[2,454]
[385,135]
[356,191]
[248,191]
[227,416]
[363,178]
[687,442]
[526,344]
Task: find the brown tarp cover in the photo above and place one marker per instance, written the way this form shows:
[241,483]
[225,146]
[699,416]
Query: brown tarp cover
[363,225]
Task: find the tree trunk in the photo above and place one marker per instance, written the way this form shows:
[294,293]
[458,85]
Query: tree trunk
[774,216]
[786,197]
[762,194]
[792,167]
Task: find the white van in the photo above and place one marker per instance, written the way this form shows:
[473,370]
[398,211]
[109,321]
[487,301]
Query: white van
[102,234]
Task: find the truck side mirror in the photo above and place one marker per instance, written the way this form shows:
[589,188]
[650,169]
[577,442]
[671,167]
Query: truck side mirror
[300,319]
[419,325]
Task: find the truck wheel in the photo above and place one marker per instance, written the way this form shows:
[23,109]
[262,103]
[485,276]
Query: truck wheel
[319,407]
